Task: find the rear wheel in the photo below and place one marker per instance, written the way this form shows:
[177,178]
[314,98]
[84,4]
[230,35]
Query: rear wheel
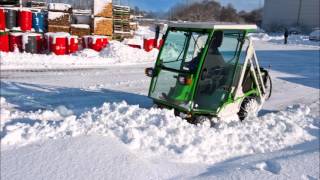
[268,87]
[249,108]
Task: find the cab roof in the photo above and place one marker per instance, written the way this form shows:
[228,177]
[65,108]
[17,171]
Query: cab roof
[214,25]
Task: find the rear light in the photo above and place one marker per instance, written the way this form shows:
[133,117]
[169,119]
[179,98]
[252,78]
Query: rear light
[149,72]
[184,80]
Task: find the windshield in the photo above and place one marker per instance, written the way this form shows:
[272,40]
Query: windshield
[182,50]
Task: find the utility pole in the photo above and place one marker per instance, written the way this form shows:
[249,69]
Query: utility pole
[299,12]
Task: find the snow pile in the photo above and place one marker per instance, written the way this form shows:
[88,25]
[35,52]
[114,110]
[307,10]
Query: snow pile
[146,32]
[114,53]
[59,6]
[279,39]
[122,53]
[156,131]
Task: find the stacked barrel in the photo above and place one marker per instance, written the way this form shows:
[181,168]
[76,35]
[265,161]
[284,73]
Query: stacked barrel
[103,18]
[15,27]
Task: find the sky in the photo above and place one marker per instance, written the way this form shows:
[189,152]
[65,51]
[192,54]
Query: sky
[164,5]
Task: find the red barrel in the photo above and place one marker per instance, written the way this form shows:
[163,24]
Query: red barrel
[97,43]
[58,43]
[25,20]
[4,39]
[40,47]
[15,39]
[2,19]
[148,44]
[105,41]
[73,44]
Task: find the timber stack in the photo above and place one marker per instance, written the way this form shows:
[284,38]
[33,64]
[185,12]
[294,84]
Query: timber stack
[59,17]
[103,18]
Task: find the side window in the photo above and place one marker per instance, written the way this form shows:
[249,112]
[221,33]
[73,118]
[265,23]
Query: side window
[230,45]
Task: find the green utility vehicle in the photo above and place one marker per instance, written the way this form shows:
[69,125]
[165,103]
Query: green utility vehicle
[207,70]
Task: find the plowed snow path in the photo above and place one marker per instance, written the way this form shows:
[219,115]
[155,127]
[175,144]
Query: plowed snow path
[73,106]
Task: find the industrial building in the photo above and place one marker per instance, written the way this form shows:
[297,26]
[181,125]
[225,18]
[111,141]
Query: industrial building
[291,13]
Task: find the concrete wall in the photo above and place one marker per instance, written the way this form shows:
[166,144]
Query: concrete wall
[290,13]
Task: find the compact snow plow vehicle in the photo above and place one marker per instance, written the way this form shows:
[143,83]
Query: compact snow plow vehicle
[207,70]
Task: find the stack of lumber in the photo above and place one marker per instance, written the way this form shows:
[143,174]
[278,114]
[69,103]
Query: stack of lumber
[59,17]
[103,18]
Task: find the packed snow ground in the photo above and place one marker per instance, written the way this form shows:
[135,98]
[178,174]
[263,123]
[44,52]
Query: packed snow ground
[293,39]
[96,122]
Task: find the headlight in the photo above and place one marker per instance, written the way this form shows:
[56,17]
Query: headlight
[150,72]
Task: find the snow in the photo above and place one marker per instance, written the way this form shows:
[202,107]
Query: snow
[114,53]
[159,131]
[82,26]
[98,6]
[64,117]
[55,15]
[279,39]
[59,6]
[121,52]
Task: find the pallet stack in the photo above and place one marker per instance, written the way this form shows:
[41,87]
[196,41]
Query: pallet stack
[59,17]
[103,18]
[121,21]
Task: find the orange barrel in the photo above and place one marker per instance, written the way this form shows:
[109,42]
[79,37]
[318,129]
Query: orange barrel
[2,19]
[32,43]
[25,20]
[4,39]
[97,43]
[58,43]
[148,44]
[15,41]
[73,44]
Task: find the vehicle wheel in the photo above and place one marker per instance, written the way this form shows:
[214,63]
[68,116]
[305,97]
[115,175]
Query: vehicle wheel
[249,108]
[268,87]
[203,120]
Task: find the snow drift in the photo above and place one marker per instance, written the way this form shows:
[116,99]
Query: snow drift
[156,131]
[114,53]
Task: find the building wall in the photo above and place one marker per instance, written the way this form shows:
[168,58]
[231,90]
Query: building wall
[287,13]
[310,13]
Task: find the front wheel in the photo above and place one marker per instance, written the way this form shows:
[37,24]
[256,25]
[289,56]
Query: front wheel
[249,108]
[203,120]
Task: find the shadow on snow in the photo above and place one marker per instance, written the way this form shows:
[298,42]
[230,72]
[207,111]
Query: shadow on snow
[31,97]
[304,65]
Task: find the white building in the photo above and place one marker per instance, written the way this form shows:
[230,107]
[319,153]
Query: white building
[291,13]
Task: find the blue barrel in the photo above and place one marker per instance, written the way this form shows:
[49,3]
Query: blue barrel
[38,21]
